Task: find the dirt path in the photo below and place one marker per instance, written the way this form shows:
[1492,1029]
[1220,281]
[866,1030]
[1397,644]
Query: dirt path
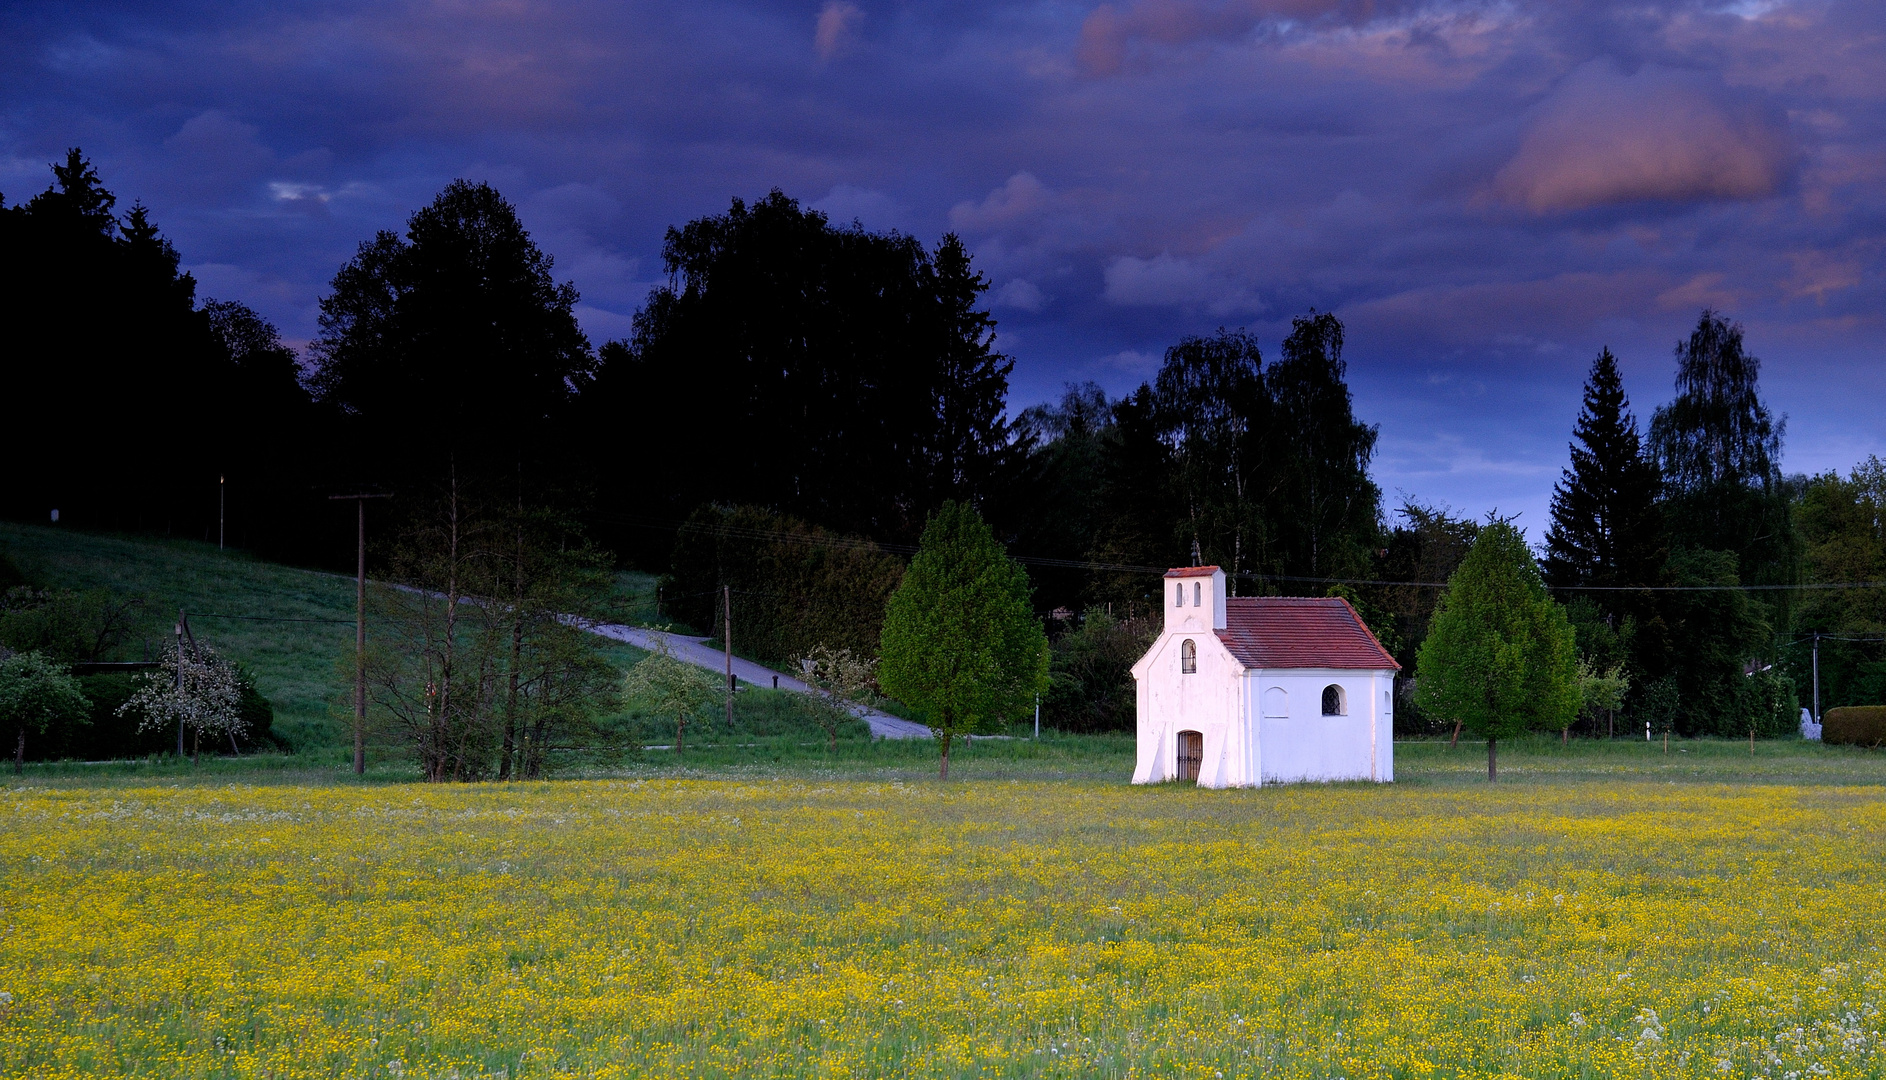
[696,651]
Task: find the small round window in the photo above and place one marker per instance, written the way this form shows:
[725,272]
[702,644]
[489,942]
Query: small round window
[1334,703]
[1188,657]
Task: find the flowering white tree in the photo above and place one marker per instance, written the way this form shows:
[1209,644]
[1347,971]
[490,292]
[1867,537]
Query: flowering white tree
[668,686]
[195,687]
[842,683]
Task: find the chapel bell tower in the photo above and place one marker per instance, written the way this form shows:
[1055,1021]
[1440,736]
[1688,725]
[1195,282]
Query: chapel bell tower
[1195,599]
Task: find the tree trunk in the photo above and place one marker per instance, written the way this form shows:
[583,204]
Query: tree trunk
[1493,761]
[943,773]
[1455,741]
[196,746]
[1565,736]
[534,761]
[679,725]
[19,754]
[517,644]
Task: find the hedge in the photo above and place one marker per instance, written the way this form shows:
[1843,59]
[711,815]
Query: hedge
[1855,725]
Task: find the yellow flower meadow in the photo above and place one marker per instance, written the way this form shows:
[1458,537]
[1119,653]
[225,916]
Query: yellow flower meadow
[788,928]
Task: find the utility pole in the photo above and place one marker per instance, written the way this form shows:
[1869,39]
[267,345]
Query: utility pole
[220,503]
[180,681]
[726,594]
[1817,676]
[360,626]
[1037,717]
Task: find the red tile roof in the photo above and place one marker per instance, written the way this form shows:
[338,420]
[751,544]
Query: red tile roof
[1300,632]
[1192,571]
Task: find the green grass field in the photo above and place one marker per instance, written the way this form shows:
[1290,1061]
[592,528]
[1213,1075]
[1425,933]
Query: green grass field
[1604,911]
[760,905]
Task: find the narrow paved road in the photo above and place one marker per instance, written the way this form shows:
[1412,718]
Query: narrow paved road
[696,651]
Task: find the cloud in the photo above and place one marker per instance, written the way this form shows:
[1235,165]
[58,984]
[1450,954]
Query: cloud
[1111,31]
[875,210]
[1020,198]
[1264,157]
[1659,135]
[1021,294]
[837,20]
[1166,280]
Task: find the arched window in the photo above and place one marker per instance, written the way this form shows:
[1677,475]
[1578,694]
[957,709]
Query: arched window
[1178,595]
[1197,591]
[1334,703]
[1188,657]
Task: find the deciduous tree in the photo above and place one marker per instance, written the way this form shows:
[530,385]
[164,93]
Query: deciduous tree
[667,686]
[1719,449]
[1499,658]
[961,643]
[196,687]
[38,694]
[454,342]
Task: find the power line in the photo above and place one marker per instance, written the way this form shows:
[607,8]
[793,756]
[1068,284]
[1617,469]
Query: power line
[743,532]
[266,618]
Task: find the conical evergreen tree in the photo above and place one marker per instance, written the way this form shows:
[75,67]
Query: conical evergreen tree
[1605,524]
[971,390]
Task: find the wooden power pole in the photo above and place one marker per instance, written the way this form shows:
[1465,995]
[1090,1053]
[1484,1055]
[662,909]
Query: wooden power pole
[726,603]
[360,628]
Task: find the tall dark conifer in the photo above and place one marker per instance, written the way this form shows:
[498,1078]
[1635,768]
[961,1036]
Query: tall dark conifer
[1605,524]
[142,417]
[971,392]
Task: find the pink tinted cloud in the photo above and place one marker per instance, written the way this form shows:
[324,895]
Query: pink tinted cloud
[1605,137]
[836,21]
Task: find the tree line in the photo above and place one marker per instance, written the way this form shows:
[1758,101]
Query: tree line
[795,404]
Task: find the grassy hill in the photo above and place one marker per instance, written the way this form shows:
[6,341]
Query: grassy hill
[292,628]
[298,664]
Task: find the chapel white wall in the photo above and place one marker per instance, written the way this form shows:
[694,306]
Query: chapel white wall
[1242,744]
[1304,745]
[1209,701]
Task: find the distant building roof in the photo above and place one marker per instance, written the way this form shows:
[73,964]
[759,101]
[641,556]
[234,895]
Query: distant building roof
[1192,571]
[1299,632]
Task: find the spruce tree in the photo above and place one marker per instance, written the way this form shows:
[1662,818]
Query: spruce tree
[971,392]
[1605,522]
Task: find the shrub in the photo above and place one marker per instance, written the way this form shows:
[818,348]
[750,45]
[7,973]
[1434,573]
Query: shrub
[1769,704]
[795,586]
[1090,674]
[1855,725]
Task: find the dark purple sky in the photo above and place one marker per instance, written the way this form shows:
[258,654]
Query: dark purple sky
[1487,193]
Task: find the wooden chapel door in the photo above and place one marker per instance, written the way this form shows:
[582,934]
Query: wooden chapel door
[1191,755]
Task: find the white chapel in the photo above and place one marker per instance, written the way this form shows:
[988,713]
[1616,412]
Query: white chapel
[1239,691]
